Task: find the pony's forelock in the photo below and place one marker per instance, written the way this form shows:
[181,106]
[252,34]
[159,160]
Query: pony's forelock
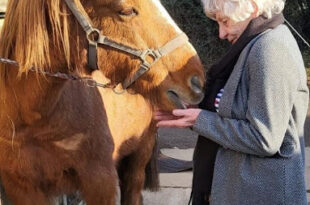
[30,43]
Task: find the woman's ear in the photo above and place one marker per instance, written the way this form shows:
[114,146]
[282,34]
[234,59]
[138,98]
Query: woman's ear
[255,12]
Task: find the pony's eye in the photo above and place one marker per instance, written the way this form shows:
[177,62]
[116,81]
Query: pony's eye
[128,12]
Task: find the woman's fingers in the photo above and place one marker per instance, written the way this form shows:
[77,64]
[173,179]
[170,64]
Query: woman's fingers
[180,112]
[190,113]
[179,118]
[164,117]
[180,123]
[160,115]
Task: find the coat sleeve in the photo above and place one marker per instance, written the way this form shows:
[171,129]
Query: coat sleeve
[273,81]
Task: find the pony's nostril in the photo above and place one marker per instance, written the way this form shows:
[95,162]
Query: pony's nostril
[196,85]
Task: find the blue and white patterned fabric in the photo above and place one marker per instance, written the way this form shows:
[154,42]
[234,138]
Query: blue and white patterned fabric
[218,99]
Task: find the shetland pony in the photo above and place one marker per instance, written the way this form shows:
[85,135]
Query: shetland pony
[60,136]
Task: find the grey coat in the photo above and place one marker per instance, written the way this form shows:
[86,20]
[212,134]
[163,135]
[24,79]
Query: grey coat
[260,126]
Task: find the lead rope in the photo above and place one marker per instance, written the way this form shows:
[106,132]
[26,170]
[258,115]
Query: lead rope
[297,33]
[190,198]
[88,81]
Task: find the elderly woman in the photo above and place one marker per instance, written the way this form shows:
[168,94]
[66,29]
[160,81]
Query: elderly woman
[254,111]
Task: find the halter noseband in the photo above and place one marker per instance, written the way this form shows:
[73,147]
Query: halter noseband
[103,40]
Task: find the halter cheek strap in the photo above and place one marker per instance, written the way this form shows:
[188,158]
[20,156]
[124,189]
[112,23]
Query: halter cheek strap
[89,30]
[94,38]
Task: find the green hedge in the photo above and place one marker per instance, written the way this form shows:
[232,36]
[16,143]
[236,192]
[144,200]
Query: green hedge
[203,32]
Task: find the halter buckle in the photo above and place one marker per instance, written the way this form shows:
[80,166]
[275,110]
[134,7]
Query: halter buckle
[149,57]
[145,66]
[93,35]
[90,82]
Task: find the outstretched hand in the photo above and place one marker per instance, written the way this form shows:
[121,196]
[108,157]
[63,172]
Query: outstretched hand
[180,118]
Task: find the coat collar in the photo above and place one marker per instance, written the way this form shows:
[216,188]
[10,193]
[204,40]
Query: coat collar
[230,88]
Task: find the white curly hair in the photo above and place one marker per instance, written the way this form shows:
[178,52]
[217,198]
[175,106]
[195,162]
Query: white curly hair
[239,10]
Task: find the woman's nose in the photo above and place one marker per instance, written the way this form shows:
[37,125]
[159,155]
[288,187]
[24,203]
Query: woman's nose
[222,33]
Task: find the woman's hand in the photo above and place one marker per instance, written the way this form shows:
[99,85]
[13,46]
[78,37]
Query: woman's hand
[180,118]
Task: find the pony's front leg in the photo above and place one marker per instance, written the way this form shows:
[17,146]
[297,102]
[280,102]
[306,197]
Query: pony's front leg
[24,194]
[99,185]
[132,172]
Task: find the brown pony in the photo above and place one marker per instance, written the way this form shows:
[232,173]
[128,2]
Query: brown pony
[61,136]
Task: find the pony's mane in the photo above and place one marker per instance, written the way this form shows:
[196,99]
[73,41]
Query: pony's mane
[30,30]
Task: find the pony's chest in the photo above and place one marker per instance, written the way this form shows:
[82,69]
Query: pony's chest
[127,116]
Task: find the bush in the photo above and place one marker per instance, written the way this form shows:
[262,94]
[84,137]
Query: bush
[203,32]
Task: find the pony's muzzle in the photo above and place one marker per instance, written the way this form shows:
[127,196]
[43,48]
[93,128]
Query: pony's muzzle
[196,86]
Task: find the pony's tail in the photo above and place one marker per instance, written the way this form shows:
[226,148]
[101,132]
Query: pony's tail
[151,182]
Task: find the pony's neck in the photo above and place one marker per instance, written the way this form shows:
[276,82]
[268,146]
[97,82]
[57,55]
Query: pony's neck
[28,98]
